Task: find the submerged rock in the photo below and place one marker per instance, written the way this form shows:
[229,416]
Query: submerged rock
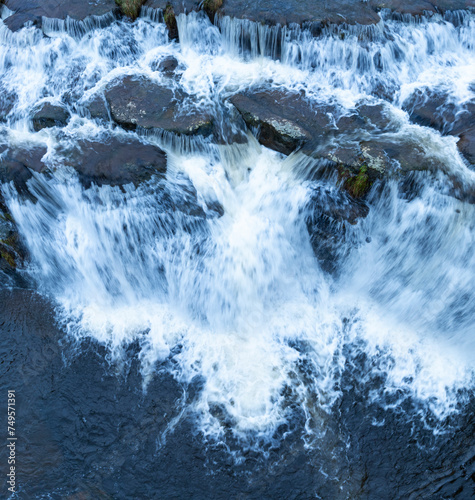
[143,103]
[115,162]
[50,115]
[332,211]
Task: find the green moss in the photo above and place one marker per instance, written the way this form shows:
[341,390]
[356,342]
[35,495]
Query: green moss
[211,7]
[170,20]
[358,185]
[130,8]
[8,257]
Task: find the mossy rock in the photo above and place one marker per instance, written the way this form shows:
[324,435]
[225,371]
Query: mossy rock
[356,185]
[170,20]
[211,7]
[130,8]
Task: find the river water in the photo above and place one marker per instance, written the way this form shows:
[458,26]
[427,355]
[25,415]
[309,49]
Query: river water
[243,362]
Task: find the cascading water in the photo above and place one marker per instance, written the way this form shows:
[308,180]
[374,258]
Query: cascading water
[229,289]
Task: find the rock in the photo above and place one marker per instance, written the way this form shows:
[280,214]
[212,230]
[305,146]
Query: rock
[34,10]
[7,101]
[302,11]
[130,8]
[50,115]
[16,165]
[331,211]
[143,103]
[433,108]
[169,17]
[285,120]
[466,144]
[97,108]
[211,7]
[115,162]
[166,66]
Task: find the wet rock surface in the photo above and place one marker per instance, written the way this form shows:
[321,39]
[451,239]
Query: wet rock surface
[466,144]
[331,211]
[50,115]
[143,103]
[17,164]
[32,12]
[114,162]
[284,121]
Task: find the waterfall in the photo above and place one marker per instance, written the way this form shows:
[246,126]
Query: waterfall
[210,268]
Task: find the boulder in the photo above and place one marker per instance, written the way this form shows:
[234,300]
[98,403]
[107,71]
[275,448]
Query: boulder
[50,115]
[434,108]
[16,165]
[7,101]
[115,162]
[421,7]
[143,103]
[167,66]
[284,121]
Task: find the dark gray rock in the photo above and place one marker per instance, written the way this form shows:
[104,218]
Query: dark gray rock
[34,10]
[434,108]
[466,144]
[115,162]
[420,7]
[50,115]
[7,100]
[16,164]
[285,121]
[167,66]
[143,103]
[301,11]
[330,213]
[97,108]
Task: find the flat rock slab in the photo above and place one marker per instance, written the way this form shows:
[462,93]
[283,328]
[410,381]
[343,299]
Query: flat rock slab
[320,12]
[115,162]
[143,103]
[34,10]
[301,11]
